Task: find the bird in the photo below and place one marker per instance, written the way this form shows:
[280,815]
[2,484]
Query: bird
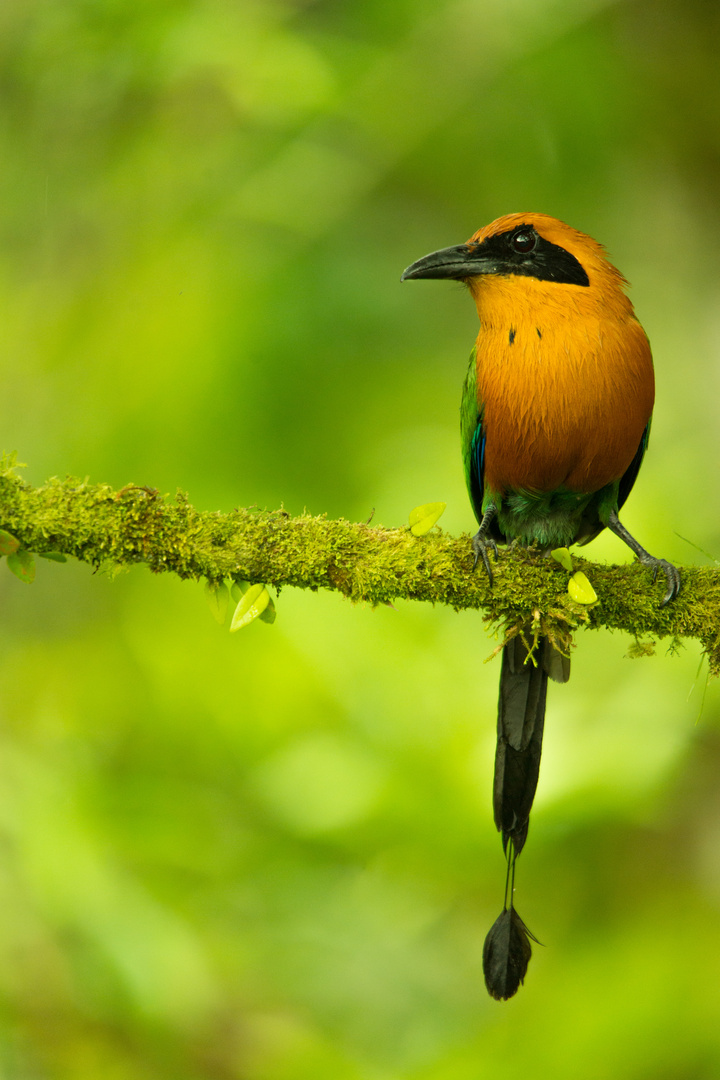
[555,419]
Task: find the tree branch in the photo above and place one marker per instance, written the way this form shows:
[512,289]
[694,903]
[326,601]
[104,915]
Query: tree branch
[99,525]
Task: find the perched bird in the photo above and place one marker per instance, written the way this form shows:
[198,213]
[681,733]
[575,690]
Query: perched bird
[555,419]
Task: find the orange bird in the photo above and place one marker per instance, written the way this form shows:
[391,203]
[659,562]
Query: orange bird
[555,419]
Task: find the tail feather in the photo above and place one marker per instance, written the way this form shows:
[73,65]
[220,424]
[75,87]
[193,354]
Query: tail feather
[521,719]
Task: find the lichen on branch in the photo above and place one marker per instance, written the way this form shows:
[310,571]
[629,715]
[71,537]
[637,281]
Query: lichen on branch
[97,524]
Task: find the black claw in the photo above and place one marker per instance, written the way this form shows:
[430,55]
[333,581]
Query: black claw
[480,548]
[672,575]
[481,542]
[673,579]
[671,572]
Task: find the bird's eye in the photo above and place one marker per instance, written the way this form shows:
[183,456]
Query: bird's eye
[524,242]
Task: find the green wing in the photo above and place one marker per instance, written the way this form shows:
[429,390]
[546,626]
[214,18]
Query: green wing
[473,439]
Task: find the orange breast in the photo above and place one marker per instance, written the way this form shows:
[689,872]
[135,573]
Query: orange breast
[566,391]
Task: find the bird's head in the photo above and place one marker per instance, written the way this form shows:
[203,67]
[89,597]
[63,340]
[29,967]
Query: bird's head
[522,250]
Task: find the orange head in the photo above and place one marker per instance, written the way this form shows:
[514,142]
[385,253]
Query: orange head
[531,259]
[562,373]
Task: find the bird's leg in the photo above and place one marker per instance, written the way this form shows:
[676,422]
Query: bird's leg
[481,541]
[671,572]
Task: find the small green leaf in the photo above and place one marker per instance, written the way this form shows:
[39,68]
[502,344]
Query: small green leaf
[580,589]
[53,556]
[238,588]
[22,565]
[269,614]
[422,518]
[562,555]
[218,598]
[8,543]
[252,604]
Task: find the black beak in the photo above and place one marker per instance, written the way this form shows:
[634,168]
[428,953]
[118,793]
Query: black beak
[458,263]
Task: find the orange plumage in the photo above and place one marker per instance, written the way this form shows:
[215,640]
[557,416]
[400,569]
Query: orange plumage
[564,374]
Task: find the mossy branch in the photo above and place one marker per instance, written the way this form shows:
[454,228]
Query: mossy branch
[99,525]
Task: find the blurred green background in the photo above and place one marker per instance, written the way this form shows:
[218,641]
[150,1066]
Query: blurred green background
[271,856]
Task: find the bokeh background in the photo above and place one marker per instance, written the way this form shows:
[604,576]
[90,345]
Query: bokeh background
[270,856]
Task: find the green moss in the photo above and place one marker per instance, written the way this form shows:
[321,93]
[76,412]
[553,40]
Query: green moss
[366,563]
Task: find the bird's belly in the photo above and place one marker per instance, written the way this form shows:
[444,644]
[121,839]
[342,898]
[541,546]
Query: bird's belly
[535,459]
[556,518]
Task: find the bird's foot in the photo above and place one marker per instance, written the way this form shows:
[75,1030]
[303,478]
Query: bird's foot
[480,546]
[672,574]
[481,542]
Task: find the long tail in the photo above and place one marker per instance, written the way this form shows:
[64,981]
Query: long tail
[521,719]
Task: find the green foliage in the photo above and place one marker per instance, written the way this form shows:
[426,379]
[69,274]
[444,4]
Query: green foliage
[563,556]
[218,598]
[8,543]
[423,518]
[252,605]
[271,854]
[580,589]
[22,565]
